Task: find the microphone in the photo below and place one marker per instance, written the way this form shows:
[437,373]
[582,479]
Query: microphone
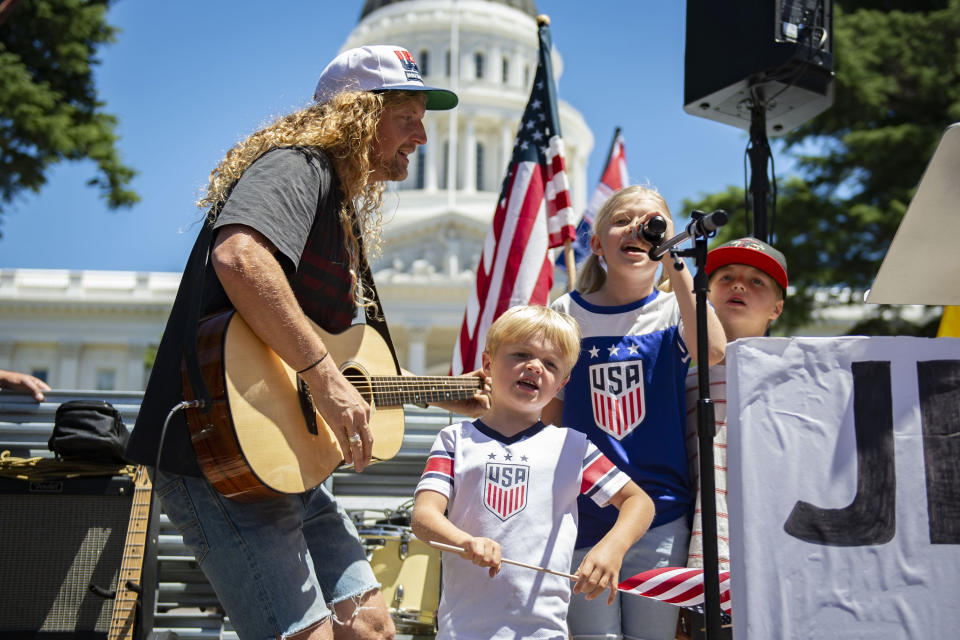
[703,224]
[652,231]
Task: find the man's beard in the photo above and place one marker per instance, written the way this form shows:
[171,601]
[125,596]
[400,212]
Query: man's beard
[393,169]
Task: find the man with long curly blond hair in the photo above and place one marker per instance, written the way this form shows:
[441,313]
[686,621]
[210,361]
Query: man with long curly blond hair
[292,209]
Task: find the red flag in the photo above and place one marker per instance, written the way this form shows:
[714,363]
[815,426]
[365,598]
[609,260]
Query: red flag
[613,179]
[533,214]
[679,586]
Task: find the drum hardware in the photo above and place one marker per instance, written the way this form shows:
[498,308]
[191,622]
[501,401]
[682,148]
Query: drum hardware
[409,572]
[404,545]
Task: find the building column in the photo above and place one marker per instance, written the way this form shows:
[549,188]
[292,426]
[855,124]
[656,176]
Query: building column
[6,355]
[467,69]
[506,146]
[417,350]
[136,352]
[68,375]
[433,152]
[583,189]
[453,246]
[517,65]
[470,162]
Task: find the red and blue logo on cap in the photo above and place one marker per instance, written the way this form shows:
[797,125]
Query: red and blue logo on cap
[409,65]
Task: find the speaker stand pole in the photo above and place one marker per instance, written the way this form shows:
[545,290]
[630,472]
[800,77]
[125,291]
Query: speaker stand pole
[759,153]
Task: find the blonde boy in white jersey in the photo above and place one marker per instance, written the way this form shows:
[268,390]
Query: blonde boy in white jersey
[509,485]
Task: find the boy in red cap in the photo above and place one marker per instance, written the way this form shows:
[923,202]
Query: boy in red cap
[748,285]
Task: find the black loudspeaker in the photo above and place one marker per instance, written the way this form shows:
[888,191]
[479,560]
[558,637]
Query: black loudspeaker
[742,52]
[62,542]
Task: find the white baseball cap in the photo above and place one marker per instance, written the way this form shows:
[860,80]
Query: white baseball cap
[380,67]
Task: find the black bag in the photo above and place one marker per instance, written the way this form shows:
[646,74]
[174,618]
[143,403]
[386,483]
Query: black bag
[89,431]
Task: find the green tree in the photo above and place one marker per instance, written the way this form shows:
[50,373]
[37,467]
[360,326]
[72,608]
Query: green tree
[49,109]
[897,66]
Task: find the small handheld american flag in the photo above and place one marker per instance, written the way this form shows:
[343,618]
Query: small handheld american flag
[678,586]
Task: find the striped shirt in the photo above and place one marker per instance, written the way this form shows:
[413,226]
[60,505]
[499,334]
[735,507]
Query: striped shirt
[718,394]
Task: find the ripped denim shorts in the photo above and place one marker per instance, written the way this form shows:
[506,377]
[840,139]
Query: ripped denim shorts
[278,565]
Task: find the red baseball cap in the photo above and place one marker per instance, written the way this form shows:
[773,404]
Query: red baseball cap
[753,252]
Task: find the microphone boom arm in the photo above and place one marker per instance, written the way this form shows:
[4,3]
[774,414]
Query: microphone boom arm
[702,224]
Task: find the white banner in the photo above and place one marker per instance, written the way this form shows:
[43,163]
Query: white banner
[844,481]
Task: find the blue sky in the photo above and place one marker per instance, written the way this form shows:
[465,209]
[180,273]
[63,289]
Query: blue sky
[188,79]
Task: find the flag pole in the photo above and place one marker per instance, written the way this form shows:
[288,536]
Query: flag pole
[571,264]
[613,144]
[450,547]
[544,19]
[567,246]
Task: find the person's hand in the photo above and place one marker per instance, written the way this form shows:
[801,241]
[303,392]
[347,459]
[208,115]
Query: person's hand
[23,382]
[598,572]
[344,410]
[474,406]
[483,552]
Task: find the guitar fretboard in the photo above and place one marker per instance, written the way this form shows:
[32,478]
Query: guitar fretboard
[124,607]
[392,391]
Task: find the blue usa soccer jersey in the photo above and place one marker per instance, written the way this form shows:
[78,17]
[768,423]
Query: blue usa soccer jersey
[522,492]
[626,393]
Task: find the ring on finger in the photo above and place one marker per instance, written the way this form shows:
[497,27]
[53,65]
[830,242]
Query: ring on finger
[356,439]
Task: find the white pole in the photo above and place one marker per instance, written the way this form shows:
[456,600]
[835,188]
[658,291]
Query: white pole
[452,115]
[450,547]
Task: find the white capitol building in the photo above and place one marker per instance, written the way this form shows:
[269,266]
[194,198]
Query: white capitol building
[97,329]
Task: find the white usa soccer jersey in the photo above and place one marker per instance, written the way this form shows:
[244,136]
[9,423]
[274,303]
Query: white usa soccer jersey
[626,392]
[522,492]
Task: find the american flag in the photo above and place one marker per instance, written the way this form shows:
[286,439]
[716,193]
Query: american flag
[679,586]
[613,179]
[533,215]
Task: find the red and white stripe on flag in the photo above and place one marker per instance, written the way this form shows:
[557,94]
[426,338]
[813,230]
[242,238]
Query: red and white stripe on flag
[679,586]
[533,214]
[560,222]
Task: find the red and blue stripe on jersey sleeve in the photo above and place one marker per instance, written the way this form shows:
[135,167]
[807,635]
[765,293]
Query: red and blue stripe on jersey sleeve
[598,474]
[438,470]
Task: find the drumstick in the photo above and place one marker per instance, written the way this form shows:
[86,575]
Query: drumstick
[448,547]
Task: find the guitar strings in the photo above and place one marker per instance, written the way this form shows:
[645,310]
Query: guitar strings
[415,383]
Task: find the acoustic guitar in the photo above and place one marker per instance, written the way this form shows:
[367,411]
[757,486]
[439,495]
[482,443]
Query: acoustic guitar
[128,583]
[263,437]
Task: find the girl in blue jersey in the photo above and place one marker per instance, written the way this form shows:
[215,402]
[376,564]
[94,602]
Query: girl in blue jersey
[626,392]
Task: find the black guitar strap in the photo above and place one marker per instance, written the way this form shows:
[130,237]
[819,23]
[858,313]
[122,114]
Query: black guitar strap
[196,273]
[374,314]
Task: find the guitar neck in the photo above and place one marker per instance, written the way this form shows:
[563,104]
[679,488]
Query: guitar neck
[124,606]
[391,391]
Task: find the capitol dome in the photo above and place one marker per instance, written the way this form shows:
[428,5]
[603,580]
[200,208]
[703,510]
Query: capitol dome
[526,6]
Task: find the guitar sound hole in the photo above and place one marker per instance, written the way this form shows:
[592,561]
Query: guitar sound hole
[361,382]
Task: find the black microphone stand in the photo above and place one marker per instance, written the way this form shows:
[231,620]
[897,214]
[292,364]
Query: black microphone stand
[759,153]
[706,423]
